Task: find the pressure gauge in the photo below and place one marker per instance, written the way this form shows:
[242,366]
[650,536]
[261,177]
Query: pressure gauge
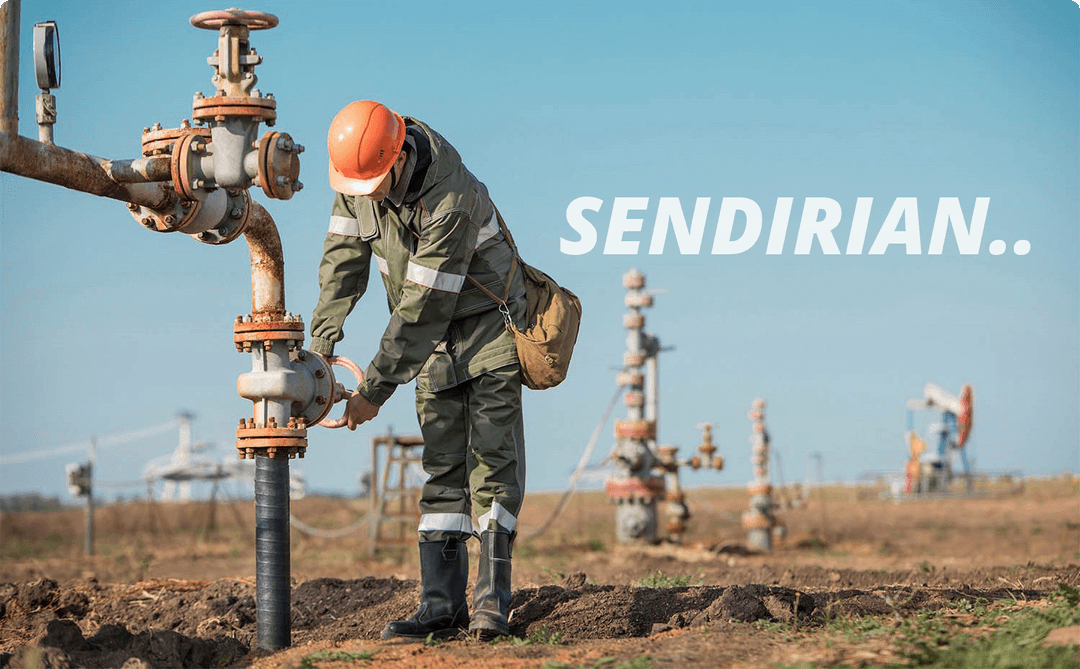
[47,55]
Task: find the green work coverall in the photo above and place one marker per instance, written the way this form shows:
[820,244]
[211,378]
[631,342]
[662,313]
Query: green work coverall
[437,225]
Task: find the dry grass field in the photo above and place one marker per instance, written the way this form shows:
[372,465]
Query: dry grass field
[858,581]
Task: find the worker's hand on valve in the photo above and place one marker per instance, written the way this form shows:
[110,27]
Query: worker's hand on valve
[358,410]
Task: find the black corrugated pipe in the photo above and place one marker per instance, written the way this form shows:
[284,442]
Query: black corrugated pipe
[272,552]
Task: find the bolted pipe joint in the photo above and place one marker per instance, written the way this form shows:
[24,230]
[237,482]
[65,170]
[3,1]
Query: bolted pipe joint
[219,218]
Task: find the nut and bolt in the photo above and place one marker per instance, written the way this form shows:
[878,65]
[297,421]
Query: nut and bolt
[235,212]
[132,206]
[197,183]
[320,400]
[272,422]
[185,124]
[145,130]
[280,181]
[156,127]
[170,219]
[268,344]
[199,96]
[145,221]
[319,373]
[297,186]
[298,148]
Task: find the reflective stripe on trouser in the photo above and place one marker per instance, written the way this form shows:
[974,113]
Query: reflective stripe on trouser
[473,440]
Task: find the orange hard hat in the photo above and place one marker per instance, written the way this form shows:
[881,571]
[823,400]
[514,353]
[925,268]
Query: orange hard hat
[364,141]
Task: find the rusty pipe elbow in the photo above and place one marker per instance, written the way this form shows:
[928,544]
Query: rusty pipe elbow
[267,264]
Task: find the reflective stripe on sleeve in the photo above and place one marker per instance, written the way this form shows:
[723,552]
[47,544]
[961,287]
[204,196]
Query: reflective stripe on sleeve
[447,522]
[381,262]
[345,225]
[433,278]
[501,516]
[490,229]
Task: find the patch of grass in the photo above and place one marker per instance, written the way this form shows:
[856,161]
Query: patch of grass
[859,628]
[542,636]
[927,567]
[595,545]
[431,641]
[932,641]
[771,625]
[309,661]
[662,580]
[554,574]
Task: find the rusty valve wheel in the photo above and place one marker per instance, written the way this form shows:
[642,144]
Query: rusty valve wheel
[214,20]
[345,394]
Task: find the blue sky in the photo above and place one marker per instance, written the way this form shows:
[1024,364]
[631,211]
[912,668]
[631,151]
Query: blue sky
[106,327]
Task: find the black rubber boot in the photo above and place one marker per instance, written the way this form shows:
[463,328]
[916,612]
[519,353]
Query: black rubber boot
[443,612]
[491,600]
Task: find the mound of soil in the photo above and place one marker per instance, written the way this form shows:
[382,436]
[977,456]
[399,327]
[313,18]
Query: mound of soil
[181,624]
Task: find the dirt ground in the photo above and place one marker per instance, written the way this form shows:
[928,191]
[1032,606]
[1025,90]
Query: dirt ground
[173,585]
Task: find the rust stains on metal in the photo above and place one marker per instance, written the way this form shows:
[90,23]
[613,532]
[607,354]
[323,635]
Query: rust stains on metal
[9,67]
[79,171]
[267,264]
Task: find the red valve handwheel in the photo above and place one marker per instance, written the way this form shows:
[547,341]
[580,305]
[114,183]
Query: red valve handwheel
[238,17]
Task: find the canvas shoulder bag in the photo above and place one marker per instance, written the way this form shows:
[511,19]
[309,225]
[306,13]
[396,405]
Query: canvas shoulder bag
[552,319]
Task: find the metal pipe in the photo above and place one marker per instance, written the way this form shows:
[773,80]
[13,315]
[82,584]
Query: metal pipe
[267,264]
[9,67]
[139,170]
[86,173]
[272,553]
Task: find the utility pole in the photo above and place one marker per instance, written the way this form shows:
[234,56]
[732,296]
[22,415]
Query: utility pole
[89,534]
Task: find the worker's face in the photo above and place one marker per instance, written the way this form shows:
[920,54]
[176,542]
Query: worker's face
[387,183]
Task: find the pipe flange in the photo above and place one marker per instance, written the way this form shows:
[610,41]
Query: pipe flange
[158,142]
[278,448]
[221,107]
[635,429]
[755,520]
[166,220]
[644,490]
[634,399]
[279,165]
[632,379]
[756,488]
[233,224]
[633,280]
[214,20]
[246,332]
[183,149]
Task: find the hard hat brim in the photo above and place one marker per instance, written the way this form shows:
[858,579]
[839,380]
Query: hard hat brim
[350,186]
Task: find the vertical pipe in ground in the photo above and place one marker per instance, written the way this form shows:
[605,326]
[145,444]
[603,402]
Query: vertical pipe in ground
[272,552]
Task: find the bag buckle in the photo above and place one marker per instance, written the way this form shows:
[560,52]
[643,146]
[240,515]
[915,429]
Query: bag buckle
[505,311]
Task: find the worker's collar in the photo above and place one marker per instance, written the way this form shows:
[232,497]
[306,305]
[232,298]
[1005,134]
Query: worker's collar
[397,194]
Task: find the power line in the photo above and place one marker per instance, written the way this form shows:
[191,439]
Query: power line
[75,447]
